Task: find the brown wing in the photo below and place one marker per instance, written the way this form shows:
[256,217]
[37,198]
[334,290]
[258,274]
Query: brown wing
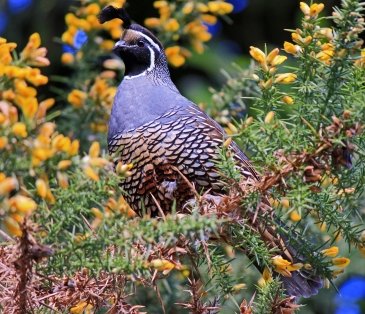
[180,145]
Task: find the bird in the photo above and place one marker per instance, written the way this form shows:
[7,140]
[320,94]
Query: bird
[172,144]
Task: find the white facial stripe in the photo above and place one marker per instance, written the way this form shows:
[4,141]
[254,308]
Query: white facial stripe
[150,40]
[150,68]
[152,65]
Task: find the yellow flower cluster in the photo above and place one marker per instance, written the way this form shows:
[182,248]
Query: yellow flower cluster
[26,135]
[100,95]
[17,92]
[85,18]
[284,267]
[93,162]
[311,12]
[314,40]
[268,77]
[173,26]
[339,263]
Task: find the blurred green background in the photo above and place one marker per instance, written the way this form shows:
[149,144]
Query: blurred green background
[254,22]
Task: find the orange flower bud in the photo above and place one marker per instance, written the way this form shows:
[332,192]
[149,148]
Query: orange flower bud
[330,252]
[23,204]
[42,188]
[12,227]
[19,129]
[7,185]
[268,118]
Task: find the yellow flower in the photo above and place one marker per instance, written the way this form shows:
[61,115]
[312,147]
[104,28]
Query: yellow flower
[295,216]
[7,185]
[77,98]
[81,308]
[300,40]
[34,76]
[258,55]
[268,118]
[64,164]
[341,262]
[29,105]
[287,99]
[90,173]
[304,8]
[171,25]
[23,204]
[325,32]
[67,58]
[266,275]
[74,149]
[19,129]
[152,22]
[5,51]
[43,107]
[292,49]
[97,213]
[94,150]
[326,54]
[285,78]
[160,4]
[12,227]
[62,180]
[41,187]
[220,7]
[188,8]
[98,162]
[34,55]
[92,9]
[47,129]
[176,55]
[209,19]
[61,143]
[50,197]
[162,265]
[123,169]
[3,142]
[315,9]
[330,252]
[198,31]
[284,267]
[272,55]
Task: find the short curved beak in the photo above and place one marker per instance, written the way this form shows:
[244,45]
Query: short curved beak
[119,46]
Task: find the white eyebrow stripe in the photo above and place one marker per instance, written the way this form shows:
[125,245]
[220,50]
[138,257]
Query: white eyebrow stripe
[150,40]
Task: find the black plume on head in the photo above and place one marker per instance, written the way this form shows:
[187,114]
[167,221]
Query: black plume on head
[110,12]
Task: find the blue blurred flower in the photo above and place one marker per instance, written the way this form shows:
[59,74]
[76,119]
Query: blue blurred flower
[79,40]
[351,292]
[215,28]
[3,22]
[16,6]
[239,5]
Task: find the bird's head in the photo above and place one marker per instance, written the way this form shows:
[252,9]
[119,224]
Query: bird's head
[139,49]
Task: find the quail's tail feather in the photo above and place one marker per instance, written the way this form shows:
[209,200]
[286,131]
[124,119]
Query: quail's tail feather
[303,282]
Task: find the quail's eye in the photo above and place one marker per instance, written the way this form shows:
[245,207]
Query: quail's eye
[140,43]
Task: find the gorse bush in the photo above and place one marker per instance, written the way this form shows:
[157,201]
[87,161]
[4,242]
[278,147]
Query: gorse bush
[71,243]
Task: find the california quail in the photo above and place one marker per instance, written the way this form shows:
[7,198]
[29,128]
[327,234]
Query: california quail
[169,140]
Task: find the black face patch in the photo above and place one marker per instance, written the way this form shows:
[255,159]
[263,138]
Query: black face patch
[138,51]
[136,58]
